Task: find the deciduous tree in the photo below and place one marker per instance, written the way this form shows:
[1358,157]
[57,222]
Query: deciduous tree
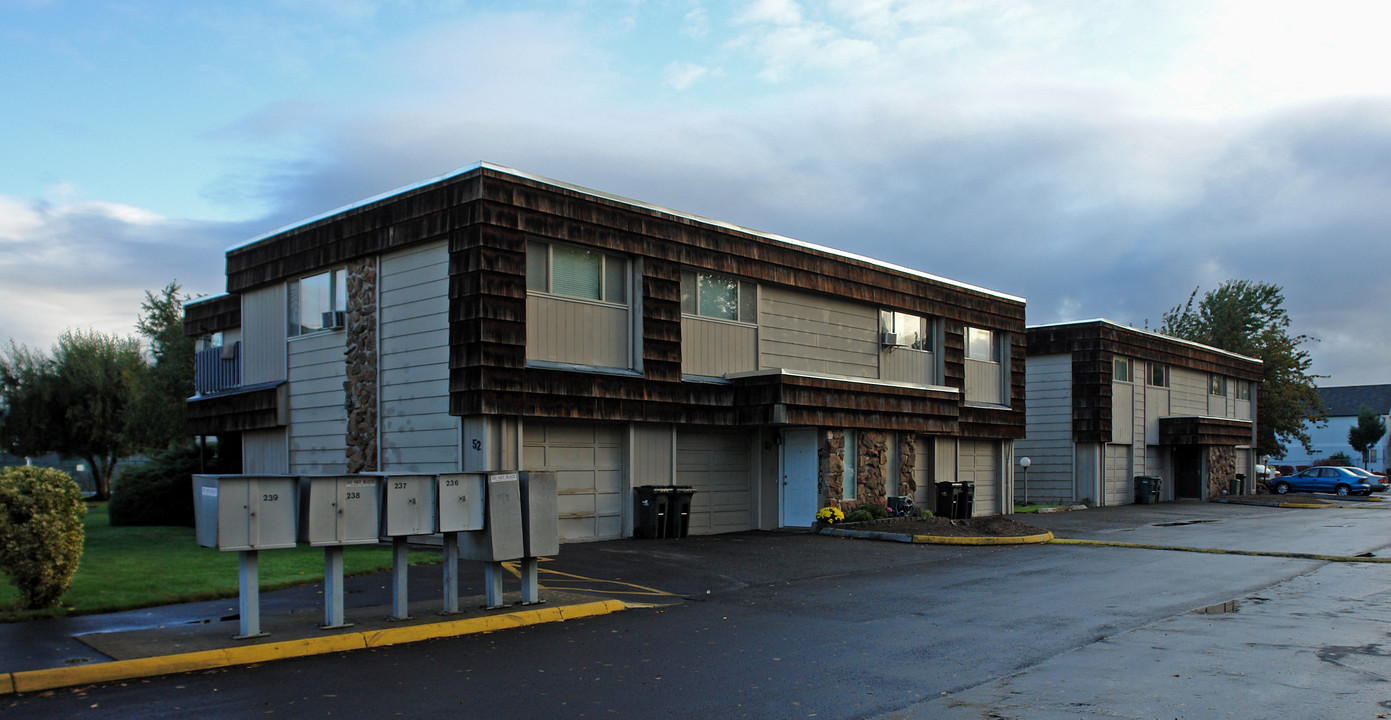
[75,403]
[1249,318]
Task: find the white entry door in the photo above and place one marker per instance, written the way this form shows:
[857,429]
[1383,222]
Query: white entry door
[797,507]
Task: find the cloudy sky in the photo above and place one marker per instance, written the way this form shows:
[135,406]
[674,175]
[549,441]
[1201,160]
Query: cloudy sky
[1099,159]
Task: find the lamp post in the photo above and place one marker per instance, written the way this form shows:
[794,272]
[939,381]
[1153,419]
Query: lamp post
[1025,462]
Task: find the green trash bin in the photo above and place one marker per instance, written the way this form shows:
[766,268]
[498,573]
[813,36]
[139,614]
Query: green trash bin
[947,497]
[651,506]
[965,502]
[679,511]
[1147,489]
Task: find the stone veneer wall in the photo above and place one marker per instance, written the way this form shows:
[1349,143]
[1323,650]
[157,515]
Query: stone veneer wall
[873,456]
[907,463]
[360,388]
[1221,469]
[831,461]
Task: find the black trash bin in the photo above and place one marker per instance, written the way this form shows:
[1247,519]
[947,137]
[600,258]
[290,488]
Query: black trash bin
[679,511]
[1147,488]
[967,499]
[651,506]
[947,497]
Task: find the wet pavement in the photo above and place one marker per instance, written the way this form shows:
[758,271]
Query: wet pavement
[1082,609]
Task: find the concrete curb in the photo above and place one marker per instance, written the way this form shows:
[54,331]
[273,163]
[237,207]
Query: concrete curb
[38,680]
[937,539]
[1221,551]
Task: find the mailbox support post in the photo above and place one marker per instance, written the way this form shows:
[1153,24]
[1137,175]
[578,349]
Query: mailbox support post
[249,586]
[333,588]
[492,582]
[531,581]
[451,573]
[400,562]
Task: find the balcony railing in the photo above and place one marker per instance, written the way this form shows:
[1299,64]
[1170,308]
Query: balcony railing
[217,369]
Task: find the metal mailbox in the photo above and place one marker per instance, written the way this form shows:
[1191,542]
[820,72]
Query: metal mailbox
[245,512]
[501,538]
[408,504]
[339,510]
[540,514]
[462,497]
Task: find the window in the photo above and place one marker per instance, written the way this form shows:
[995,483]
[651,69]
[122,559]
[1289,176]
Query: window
[1120,369]
[851,450]
[983,345]
[1159,375]
[719,296]
[891,466]
[912,331]
[576,272]
[1243,390]
[1217,385]
[317,302]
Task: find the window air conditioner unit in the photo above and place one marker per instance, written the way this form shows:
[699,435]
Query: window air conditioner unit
[888,339]
[334,319]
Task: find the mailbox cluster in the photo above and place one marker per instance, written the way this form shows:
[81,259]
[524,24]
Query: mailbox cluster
[501,517]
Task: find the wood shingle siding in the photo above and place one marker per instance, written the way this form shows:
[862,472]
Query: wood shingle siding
[1204,431]
[211,315]
[487,214]
[253,408]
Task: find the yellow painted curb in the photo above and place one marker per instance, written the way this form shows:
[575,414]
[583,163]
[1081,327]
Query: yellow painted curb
[38,680]
[1305,506]
[1015,540]
[1223,551]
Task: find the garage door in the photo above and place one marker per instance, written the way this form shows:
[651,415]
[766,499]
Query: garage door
[980,463]
[718,465]
[588,464]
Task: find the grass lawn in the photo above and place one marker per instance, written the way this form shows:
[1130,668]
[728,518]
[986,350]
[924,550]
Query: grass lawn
[133,567]
[1032,508]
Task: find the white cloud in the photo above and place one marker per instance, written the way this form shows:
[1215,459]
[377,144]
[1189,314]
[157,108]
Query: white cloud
[681,75]
[87,264]
[696,23]
[777,12]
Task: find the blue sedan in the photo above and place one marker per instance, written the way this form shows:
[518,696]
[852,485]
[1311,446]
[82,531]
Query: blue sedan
[1338,480]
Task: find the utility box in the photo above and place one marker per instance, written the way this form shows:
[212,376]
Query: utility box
[339,510]
[245,512]
[460,502]
[408,504]
[501,537]
[540,514]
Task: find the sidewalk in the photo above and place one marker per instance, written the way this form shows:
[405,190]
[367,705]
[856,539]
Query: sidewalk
[62,652]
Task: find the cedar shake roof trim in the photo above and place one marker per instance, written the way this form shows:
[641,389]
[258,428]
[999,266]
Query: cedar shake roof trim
[1150,333]
[500,169]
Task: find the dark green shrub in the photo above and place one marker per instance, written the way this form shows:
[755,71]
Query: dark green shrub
[160,492]
[41,511]
[858,515]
